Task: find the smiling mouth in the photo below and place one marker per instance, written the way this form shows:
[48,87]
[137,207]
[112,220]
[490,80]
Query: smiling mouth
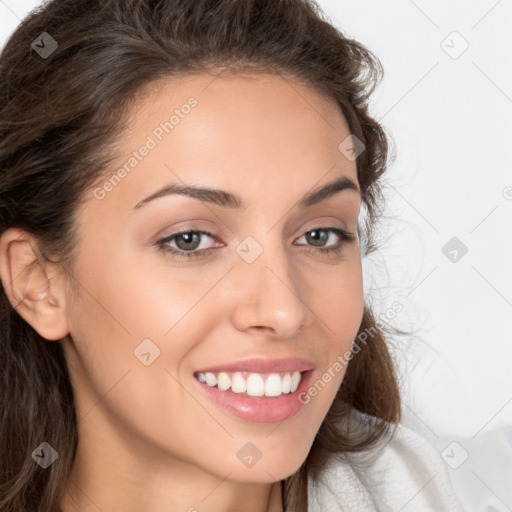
[252,384]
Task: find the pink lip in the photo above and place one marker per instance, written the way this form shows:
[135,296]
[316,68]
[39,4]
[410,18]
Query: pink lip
[262,366]
[258,409]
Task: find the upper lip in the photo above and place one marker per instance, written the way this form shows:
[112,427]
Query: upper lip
[261,365]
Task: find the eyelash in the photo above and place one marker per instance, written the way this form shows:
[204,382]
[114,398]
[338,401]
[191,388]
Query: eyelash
[335,250]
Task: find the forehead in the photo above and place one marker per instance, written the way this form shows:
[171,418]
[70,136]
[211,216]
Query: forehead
[244,132]
[249,104]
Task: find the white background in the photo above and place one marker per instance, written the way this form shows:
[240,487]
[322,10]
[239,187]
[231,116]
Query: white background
[450,117]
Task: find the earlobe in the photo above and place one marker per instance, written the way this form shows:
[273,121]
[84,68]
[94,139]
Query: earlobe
[31,288]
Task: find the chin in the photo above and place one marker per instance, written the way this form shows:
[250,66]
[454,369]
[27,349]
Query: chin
[270,468]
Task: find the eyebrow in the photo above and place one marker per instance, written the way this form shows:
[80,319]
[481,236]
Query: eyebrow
[229,200]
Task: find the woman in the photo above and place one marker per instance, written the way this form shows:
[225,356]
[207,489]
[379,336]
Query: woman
[184,326]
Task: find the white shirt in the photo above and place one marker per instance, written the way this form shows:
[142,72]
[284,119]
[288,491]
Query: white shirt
[405,475]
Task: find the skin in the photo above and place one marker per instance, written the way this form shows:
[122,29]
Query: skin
[148,438]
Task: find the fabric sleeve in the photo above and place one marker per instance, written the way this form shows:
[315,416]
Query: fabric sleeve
[410,475]
[406,474]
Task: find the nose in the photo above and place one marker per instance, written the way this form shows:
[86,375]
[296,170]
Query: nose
[268,295]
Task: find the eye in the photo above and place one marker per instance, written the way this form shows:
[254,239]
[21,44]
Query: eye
[319,236]
[188,242]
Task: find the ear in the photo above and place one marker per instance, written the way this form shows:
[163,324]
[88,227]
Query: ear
[33,285]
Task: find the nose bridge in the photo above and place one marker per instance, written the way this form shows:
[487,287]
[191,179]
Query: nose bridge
[269,288]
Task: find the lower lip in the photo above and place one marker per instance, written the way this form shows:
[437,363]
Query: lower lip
[259,409]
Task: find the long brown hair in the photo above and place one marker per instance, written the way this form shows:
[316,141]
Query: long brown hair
[61,113]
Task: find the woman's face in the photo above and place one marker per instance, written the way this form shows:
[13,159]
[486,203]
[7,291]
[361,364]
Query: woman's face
[258,295]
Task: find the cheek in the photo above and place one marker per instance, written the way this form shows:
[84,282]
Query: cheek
[132,334]
[338,304]
[337,300]
[133,326]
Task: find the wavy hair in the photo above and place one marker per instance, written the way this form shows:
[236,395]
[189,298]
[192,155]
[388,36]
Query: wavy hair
[60,117]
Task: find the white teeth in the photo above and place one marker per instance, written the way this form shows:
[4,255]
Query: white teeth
[287,381]
[295,381]
[211,380]
[273,385]
[238,383]
[223,381]
[255,384]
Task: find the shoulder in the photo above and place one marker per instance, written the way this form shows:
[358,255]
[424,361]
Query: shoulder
[404,472]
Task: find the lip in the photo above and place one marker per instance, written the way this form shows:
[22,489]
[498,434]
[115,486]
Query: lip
[260,365]
[258,409]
